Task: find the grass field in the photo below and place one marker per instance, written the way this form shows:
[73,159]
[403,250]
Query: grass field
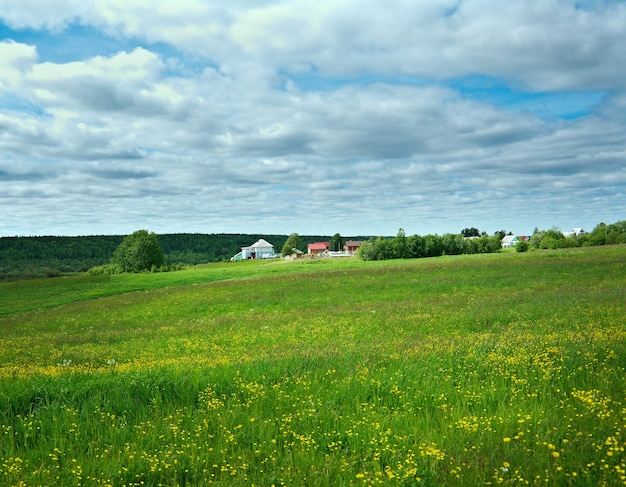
[469,370]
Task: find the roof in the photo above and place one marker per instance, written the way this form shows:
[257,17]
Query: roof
[260,243]
[353,243]
[319,246]
[509,238]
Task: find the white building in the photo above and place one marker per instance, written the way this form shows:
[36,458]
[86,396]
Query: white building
[574,233]
[261,249]
[509,241]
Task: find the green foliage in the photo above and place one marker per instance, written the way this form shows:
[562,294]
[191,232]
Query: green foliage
[416,246]
[32,257]
[105,270]
[399,247]
[337,243]
[367,250]
[616,233]
[453,244]
[470,232]
[293,242]
[604,234]
[522,246]
[547,239]
[138,252]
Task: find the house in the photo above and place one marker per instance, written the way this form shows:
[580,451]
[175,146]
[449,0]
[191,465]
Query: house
[509,241]
[574,233]
[351,246]
[295,254]
[318,248]
[261,249]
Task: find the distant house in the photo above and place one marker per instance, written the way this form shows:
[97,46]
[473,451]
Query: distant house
[509,241]
[352,246]
[261,249]
[295,254]
[318,248]
[574,233]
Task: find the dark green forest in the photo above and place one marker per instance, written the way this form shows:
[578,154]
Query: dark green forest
[50,256]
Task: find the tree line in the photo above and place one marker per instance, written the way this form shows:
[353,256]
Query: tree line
[473,241]
[417,246]
[602,234]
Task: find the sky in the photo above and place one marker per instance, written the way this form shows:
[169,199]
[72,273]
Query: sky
[311,116]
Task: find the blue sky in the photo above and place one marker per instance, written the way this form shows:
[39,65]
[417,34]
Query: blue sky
[309,116]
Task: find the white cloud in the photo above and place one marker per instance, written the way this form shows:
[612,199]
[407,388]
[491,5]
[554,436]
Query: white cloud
[228,124]
[53,14]
[15,59]
[546,45]
[135,66]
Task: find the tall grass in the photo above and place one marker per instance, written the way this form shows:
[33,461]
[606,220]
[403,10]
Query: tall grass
[472,370]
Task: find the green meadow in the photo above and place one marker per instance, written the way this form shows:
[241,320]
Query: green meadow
[495,369]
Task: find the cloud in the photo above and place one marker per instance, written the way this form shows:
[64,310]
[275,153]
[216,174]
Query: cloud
[546,45]
[121,82]
[330,116]
[14,60]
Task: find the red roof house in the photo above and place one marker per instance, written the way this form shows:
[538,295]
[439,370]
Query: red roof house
[318,248]
[351,246]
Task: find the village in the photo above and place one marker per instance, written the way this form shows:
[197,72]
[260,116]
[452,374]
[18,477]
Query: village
[262,249]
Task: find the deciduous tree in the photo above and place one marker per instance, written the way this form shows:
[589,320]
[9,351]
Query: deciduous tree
[138,252]
[293,242]
[470,232]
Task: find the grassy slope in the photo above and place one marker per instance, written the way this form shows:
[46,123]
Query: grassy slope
[18,296]
[471,369]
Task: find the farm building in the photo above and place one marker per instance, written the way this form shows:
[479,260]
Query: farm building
[509,241]
[261,249]
[574,233]
[352,246]
[318,248]
[296,254]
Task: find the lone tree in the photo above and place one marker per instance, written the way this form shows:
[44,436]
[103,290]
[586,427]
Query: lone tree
[293,242]
[138,252]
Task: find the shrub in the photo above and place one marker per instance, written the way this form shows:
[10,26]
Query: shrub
[104,270]
[522,246]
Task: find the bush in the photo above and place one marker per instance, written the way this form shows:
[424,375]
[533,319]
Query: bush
[522,246]
[104,270]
